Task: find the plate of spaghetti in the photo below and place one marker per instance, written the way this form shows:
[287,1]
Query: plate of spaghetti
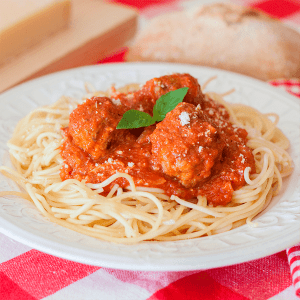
[150,166]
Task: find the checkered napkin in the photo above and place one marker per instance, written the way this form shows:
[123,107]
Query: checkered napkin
[294,261]
[290,85]
[28,274]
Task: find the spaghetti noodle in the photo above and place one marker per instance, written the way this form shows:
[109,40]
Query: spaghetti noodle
[140,213]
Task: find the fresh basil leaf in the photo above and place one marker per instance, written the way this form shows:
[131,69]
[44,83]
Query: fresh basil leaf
[135,119]
[168,102]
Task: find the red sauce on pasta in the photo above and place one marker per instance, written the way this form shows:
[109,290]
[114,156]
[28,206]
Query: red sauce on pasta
[194,151]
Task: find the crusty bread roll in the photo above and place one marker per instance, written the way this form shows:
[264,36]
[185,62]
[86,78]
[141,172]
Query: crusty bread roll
[224,36]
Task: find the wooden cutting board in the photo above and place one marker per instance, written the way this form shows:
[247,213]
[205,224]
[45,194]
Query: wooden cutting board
[97,29]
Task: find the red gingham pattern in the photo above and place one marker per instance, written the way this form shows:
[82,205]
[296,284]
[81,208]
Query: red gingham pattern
[40,274]
[294,261]
[290,85]
[278,8]
[28,274]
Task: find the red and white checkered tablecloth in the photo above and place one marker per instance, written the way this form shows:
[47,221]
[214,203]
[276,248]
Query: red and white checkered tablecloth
[28,274]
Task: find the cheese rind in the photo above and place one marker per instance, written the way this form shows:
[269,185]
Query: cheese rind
[25,23]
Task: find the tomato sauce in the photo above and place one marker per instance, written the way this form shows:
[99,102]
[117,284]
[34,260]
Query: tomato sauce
[194,151]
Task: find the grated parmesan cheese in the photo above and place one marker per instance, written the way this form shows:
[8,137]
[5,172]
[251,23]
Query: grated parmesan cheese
[184,118]
[116,101]
[207,132]
[243,158]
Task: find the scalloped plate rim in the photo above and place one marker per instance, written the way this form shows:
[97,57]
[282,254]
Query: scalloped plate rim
[115,261]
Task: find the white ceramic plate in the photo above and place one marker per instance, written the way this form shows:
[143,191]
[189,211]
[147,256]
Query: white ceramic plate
[278,226]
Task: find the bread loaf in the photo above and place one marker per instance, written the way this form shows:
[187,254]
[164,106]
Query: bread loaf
[224,36]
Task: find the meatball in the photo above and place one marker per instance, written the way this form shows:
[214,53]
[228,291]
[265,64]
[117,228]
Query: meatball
[145,98]
[162,85]
[185,145]
[93,125]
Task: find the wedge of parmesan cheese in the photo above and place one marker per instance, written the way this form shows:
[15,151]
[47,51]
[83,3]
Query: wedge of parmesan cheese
[24,23]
